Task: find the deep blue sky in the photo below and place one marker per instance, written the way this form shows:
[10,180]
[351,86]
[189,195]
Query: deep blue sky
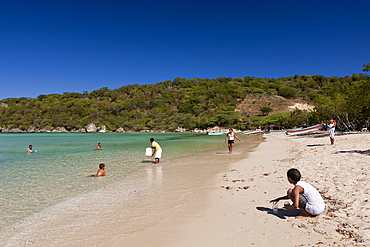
[73,46]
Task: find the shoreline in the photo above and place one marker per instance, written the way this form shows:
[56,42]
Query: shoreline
[234,209]
[125,207]
[216,199]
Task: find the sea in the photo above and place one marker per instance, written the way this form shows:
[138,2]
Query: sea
[61,163]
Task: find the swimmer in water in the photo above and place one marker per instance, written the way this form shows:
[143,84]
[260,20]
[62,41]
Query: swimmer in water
[100,172]
[99,146]
[29,149]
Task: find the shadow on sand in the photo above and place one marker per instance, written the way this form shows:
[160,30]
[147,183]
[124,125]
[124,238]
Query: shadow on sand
[148,161]
[282,213]
[315,145]
[365,152]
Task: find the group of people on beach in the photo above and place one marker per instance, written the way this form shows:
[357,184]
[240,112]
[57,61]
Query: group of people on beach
[157,151]
[303,196]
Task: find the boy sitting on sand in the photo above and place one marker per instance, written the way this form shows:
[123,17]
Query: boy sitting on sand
[100,172]
[304,196]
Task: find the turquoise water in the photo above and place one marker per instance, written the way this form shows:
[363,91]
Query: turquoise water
[59,168]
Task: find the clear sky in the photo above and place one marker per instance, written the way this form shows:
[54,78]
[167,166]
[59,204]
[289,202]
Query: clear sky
[56,46]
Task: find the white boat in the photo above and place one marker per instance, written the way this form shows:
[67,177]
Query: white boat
[256,131]
[216,133]
[304,130]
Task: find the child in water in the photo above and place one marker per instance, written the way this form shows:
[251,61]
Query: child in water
[100,172]
[29,149]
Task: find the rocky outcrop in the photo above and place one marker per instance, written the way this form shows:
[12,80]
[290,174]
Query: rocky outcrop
[60,130]
[102,129]
[15,130]
[31,130]
[179,129]
[44,130]
[91,128]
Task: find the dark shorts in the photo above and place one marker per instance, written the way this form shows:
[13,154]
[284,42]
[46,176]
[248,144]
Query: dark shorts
[230,141]
[302,201]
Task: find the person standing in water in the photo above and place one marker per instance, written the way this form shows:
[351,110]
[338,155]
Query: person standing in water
[99,146]
[157,150]
[230,138]
[29,149]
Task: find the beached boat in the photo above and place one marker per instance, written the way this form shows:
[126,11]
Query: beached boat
[250,132]
[285,130]
[216,133]
[304,130]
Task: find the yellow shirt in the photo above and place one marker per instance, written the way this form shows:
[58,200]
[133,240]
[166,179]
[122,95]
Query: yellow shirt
[156,146]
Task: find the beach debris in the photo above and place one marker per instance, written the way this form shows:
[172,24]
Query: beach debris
[238,180]
[269,173]
[227,187]
[302,226]
[235,188]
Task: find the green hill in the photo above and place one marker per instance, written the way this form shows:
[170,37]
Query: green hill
[198,103]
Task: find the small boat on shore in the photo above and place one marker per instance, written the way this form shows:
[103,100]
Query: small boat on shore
[284,130]
[216,133]
[304,130]
[250,132]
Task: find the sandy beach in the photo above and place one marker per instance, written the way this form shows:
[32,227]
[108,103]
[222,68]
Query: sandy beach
[233,209]
[217,199]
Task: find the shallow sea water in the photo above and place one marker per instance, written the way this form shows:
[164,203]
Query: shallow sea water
[46,195]
[59,168]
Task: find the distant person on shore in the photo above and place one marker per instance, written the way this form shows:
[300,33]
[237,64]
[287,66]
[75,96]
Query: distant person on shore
[304,196]
[157,150]
[331,128]
[99,146]
[29,149]
[100,172]
[230,138]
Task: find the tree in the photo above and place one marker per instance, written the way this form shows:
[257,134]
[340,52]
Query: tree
[366,67]
[266,110]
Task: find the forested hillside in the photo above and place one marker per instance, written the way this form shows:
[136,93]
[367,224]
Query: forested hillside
[195,103]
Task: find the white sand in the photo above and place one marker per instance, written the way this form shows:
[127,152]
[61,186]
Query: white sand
[341,174]
[233,210]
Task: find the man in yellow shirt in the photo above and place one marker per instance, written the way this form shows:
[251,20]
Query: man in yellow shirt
[157,150]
